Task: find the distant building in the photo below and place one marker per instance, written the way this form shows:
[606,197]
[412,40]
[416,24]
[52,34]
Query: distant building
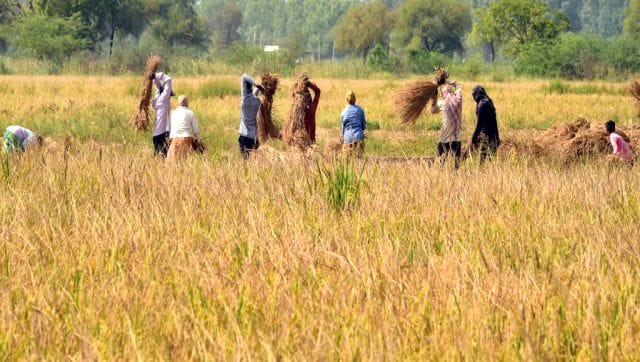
[271,48]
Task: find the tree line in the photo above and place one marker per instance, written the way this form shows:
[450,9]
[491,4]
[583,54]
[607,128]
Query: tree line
[388,35]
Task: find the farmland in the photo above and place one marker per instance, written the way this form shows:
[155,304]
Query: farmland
[107,253]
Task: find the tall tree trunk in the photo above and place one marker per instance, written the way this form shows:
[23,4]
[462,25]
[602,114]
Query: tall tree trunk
[111,37]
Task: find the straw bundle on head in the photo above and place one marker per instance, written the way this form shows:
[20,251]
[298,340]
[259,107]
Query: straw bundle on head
[294,133]
[266,127]
[411,99]
[634,88]
[140,119]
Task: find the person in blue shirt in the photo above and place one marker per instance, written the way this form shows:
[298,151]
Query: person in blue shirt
[353,126]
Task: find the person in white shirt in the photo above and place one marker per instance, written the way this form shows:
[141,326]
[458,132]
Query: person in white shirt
[18,138]
[162,105]
[184,130]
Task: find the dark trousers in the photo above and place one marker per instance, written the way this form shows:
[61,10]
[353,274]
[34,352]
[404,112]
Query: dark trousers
[160,145]
[448,148]
[247,145]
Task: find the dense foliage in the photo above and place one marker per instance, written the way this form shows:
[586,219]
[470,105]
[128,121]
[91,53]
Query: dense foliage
[567,38]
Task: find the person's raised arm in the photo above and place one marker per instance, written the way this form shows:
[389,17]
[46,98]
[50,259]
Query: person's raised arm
[165,83]
[247,85]
[316,94]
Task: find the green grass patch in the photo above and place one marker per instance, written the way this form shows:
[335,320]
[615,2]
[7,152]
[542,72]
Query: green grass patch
[560,87]
[218,89]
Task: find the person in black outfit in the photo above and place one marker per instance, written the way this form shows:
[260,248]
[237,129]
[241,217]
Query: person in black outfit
[485,137]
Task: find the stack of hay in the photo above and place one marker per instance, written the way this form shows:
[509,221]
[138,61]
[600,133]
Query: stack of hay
[140,119]
[294,133]
[266,127]
[634,88]
[411,99]
[569,141]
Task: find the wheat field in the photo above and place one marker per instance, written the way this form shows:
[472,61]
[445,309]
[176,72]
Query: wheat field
[108,253]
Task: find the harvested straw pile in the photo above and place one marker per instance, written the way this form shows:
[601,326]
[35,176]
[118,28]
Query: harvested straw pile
[634,88]
[140,119]
[334,147]
[570,141]
[411,99]
[294,133]
[266,127]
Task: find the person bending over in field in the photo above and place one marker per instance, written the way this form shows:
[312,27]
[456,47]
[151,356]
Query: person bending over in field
[184,130]
[353,126]
[311,106]
[621,148]
[162,105]
[249,106]
[485,137]
[18,138]
[451,110]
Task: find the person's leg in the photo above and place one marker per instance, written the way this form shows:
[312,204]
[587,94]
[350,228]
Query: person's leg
[456,147]
[440,149]
[160,146]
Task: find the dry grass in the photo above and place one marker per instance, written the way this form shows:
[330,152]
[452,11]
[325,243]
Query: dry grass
[294,132]
[107,253]
[122,257]
[411,99]
[140,119]
[267,129]
[634,88]
[570,141]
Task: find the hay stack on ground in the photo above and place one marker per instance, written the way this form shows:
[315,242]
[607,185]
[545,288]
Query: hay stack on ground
[266,127]
[140,119]
[294,133]
[411,99]
[634,88]
[570,141]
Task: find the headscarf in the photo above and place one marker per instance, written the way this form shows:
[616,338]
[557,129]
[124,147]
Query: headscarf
[479,93]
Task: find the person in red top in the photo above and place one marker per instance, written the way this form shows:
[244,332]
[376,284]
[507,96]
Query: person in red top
[620,146]
[312,107]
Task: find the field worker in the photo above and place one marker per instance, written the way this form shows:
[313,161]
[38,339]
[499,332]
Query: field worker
[184,130]
[18,138]
[486,136]
[162,105]
[249,105]
[353,126]
[451,110]
[312,106]
[620,146]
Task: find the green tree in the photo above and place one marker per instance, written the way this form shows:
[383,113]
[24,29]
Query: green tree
[515,23]
[101,19]
[226,26]
[362,27]
[177,24]
[632,19]
[432,25]
[47,37]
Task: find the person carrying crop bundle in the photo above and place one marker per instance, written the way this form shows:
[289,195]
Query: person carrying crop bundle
[451,110]
[18,138]
[485,137]
[621,148]
[249,106]
[311,104]
[162,105]
[353,126]
[184,130]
